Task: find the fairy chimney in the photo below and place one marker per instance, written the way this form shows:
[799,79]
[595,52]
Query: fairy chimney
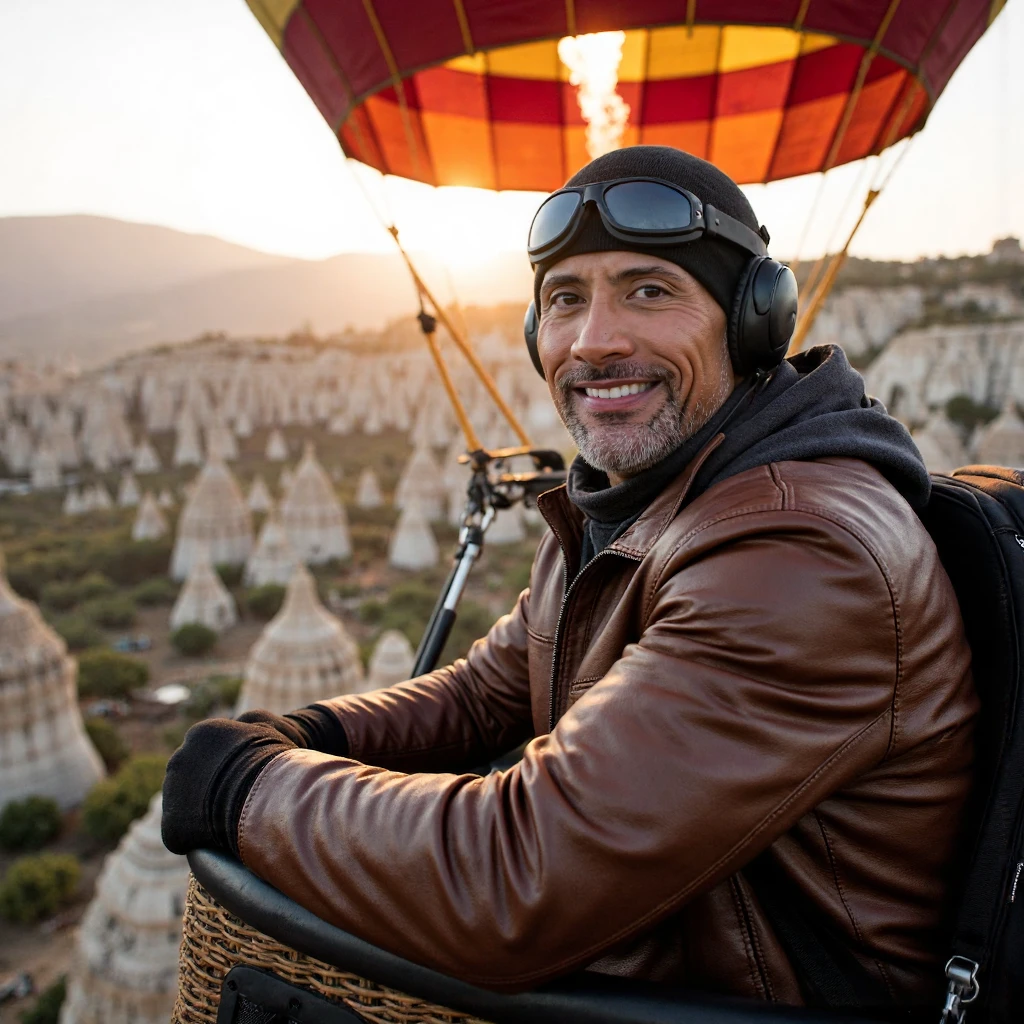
[149,521]
[145,460]
[368,490]
[204,599]
[312,515]
[412,544]
[44,750]
[276,450]
[273,560]
[392,660]
[215,519]
[259,499]
[128,492]
[124,969]
[304,654]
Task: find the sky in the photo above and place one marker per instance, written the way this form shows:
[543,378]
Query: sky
[184,114]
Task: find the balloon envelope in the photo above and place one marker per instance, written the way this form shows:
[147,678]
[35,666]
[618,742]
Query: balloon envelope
[472,92]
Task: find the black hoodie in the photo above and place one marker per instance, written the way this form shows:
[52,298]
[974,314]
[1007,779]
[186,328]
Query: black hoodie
[812,407]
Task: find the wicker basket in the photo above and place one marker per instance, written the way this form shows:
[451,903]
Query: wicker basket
[214,941]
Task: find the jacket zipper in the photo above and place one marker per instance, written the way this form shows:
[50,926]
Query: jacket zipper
[568,589]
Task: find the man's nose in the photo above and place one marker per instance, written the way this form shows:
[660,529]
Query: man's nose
[602,339]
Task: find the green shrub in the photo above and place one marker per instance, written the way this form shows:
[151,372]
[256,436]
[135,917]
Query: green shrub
[116,611]
[113,804]
[35,887]
[230,575]
[193,639]
[963,410]
[94,585]
[110,674]
[47,1007]
[29,824]
[128,562]
[265,602]
[215,692]
[109,743]
[59,595]
[78,633]
[159,590]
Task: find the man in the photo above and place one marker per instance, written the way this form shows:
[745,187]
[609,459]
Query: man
[739,658]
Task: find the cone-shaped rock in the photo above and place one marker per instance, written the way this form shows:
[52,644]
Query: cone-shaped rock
[215,520]
[276,450]
[125,966]
[312,515]
[422,481]
[259,499]
[204,599]
[273,560]
[392,660]
[145,460]
[368,490]
[149,522]
[303,655]
[44,750]
[413,545]
[128,492]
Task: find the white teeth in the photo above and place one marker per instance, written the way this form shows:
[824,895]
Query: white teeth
[618,392]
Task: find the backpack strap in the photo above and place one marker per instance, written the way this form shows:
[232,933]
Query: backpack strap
[828,972]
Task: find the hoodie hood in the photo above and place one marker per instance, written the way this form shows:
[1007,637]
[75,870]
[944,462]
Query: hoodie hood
[814,407]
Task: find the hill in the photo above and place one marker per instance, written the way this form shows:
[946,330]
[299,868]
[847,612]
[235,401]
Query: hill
[102,289]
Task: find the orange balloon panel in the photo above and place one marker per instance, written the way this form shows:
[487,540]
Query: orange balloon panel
[472,92]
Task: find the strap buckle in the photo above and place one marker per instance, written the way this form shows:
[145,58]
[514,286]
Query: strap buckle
[963,989]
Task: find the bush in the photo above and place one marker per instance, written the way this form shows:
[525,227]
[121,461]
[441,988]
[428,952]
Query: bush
[29,824]
[110,674]
[159,590]
[215,692]
[230,575]
[47,1008]
[963,410]
[193,639]
[59,596]
[78,633]
[109,743]
[128,562]
[265,602]
[35,887]
[113,804]
[114,612]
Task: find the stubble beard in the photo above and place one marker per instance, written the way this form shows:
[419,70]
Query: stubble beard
[618,445]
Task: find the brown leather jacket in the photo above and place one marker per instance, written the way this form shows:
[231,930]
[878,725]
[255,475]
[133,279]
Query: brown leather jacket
[780,663]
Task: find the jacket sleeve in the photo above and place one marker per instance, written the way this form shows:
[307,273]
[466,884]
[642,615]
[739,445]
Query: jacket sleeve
[741,707]
[453,718]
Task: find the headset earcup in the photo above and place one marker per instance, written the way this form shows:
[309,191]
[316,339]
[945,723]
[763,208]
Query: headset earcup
[763,316]
[531,326]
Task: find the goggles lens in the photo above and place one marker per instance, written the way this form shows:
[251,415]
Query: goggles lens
[648,206]
[553,218]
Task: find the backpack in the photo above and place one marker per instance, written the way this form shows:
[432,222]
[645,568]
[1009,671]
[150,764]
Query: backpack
[976,519]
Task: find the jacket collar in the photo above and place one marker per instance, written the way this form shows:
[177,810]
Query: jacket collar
[566,520]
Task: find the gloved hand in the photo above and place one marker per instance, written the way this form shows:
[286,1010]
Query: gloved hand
[315,727]
[208,779]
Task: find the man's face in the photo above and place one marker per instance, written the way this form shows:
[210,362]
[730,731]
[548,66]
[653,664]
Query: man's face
[634,353]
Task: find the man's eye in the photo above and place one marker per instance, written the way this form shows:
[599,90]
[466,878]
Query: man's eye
[564,299]
[650,291]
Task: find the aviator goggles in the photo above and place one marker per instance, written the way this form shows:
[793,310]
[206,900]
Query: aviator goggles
[645,211]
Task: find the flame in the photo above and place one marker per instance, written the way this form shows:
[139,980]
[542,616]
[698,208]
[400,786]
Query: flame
[593,62]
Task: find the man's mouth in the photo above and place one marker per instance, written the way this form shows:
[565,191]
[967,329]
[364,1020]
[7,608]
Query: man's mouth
[619,391]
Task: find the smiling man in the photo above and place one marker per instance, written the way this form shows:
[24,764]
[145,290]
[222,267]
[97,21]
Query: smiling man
[739,663]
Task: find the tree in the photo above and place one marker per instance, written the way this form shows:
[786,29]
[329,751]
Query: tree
[30,823]
[110,674]
[193,639]
[35,887]
[109,743]
[113,804]
[265,601]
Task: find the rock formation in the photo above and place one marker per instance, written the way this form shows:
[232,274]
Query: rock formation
[204,599]
[413,545]
[312,515]
[303,655]
[392,660]
[125,965]
[44,750]
[149,522]
[273,560]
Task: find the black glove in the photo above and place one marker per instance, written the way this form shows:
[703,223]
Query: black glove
[208,779]
[315,727]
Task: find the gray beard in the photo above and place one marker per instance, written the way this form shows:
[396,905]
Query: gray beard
[636,446]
